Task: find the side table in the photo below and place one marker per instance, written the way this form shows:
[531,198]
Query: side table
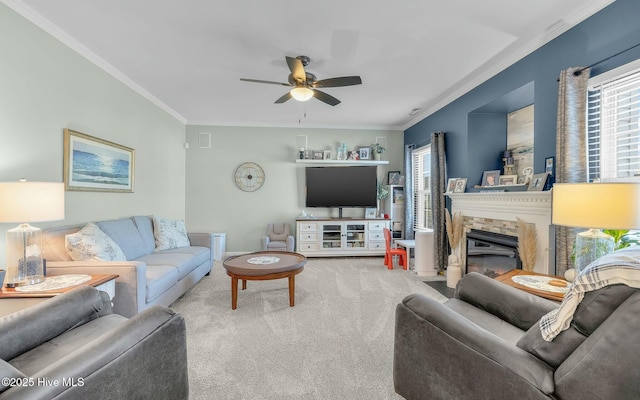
[506,279]
[12,300]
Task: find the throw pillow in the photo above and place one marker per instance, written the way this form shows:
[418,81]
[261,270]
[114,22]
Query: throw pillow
[169,233]
[90,243]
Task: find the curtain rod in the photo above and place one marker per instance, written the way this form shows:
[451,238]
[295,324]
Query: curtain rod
[578,72]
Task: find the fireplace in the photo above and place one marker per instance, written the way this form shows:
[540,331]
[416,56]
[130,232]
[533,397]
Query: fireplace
[491,254]
[499,212]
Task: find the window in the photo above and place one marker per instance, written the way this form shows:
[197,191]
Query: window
[421,171]
[613,124]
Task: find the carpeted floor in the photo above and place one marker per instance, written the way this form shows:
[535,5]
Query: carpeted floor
[336,343]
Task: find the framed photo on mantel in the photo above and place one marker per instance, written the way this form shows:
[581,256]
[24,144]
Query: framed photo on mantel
[490,178]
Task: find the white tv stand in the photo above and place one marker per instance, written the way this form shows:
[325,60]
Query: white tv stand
[338,237]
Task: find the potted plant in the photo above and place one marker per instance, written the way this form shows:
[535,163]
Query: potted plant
[377,150]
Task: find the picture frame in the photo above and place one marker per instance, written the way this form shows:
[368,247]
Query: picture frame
[550,165]
[326,154]
[393,177]
[451,185]
[461,185]
[365,153]
[490,178]
[370,212]
[318,154]
[507,180]
[353,155]
[92,164]
[538,182]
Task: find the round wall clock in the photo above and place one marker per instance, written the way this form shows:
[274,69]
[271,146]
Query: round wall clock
[249,176]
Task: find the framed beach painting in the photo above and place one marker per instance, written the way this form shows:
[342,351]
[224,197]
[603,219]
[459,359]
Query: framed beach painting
[96,165]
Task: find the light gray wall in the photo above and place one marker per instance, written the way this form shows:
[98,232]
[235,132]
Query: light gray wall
[46,87]
[214,203]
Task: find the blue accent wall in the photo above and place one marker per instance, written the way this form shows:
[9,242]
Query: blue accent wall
[475,123]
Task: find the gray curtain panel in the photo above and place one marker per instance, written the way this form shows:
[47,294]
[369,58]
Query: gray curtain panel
[438,187]
[571,154]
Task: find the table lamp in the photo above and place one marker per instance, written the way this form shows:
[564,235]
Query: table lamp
[23,202]
[595,206]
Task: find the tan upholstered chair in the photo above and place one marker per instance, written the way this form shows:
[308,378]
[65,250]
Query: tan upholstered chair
[278,238]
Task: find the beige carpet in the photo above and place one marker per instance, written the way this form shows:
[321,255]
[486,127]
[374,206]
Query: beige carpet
[336,343]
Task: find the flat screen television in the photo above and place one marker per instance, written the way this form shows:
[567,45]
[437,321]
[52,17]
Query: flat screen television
[341,186]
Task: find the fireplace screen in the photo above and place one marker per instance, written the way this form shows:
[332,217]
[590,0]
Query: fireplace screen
[491,254]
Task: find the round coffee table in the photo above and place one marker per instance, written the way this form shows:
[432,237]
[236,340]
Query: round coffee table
[262,266]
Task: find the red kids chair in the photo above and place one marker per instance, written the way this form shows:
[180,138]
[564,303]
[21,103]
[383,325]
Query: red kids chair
[390,252]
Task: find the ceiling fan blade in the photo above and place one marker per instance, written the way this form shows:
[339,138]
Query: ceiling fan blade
[297,69]
[337,82]
[322,96]
[261,81]
[284,98]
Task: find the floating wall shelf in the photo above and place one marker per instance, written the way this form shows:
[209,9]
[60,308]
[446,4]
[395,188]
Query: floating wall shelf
[344,162]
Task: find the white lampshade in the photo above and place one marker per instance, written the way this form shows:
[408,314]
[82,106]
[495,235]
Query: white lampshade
[31,201]
[301,93]
[23,202]
[596,205]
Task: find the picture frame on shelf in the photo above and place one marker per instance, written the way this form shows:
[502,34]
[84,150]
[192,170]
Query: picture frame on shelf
[550,165]
[353,155]
[461,185]
[370,212]
[490,178]
[393,177]
[550,168]
[508,180]
[538,182]
[92,164]
[326,154]
[364,153]
[318,154]
[451,185]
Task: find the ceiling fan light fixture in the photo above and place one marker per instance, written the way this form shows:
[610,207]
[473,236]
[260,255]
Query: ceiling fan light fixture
[301,93]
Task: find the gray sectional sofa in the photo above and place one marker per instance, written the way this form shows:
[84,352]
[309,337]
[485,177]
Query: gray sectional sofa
[148,277]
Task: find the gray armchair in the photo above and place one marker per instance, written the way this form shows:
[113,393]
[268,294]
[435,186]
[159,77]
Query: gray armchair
[73,347]
[485,343]
[278,238]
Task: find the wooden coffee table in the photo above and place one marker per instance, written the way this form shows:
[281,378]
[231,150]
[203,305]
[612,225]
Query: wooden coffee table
[506,279]
[262,266]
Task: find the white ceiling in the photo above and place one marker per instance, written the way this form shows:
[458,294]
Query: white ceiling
[188,56]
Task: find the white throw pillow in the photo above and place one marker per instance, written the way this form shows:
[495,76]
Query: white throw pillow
[91,243]
[169,233]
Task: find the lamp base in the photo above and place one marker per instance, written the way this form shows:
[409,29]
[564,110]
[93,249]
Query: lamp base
[24,256]
[591,245]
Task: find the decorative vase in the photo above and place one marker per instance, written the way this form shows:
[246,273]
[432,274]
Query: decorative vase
[454,271]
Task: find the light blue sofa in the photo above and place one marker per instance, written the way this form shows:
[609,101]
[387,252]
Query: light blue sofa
[148,277]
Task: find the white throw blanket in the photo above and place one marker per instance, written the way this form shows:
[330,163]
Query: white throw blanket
[622,266]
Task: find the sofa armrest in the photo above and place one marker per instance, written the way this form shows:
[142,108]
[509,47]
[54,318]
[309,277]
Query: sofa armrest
[203,239]
[440,354]
[145,357]
[131,284]
[512,305]
[30,327]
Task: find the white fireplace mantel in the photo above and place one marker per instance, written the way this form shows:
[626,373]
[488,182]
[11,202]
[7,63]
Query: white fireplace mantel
[532,207]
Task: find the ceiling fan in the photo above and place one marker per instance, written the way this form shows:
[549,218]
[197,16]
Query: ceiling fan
[305,85]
